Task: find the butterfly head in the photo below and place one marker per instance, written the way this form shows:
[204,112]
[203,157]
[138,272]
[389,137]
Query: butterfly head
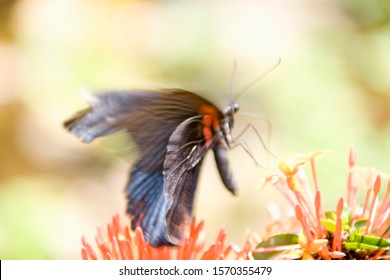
[231,109]
[227,123]
[229,113]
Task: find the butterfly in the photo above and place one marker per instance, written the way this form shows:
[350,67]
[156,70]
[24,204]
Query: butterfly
[173,130]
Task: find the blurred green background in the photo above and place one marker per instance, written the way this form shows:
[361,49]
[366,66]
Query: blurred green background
[331,89]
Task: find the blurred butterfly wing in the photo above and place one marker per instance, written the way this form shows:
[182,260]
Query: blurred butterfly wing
[186,150]
[150,118]
[146,204]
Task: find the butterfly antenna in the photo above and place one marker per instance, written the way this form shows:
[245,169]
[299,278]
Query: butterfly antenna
[232,79]
[254,81]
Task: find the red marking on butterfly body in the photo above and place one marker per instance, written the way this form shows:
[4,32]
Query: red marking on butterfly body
[211,123]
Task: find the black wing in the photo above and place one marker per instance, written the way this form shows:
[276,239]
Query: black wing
[186,150]
[147,204]
[150,118]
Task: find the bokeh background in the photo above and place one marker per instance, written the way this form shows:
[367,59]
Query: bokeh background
[331,89]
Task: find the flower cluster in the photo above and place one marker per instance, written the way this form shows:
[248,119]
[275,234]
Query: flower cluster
[121,243]
[353,231]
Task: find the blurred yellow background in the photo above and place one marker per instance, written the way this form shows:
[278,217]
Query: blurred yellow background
[331,89]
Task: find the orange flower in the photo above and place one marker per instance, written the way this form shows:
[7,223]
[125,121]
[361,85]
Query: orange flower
[120,243]
[350,232]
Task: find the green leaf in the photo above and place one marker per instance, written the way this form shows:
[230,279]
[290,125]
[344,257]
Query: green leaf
[330,222]
[345,222]
[330,225]
[356,245]
[274,241]
[330,215]
[346,217]
[366,242]
[360,225]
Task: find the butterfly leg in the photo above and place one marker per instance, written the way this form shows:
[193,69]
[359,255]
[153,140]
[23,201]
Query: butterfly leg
[251,126]
[243,144]
[245,147]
